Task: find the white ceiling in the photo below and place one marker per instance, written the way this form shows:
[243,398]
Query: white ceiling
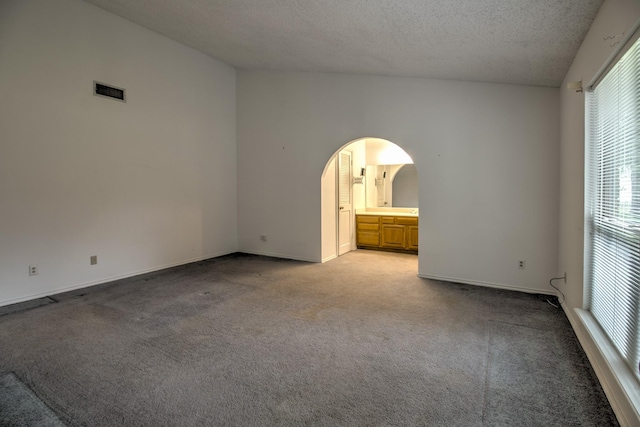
[529,42]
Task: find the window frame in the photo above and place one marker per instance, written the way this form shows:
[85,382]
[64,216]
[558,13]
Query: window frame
[612,230]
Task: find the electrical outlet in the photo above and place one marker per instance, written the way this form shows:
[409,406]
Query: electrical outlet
[33,270]
[93,260]
[521,265]
[263,237]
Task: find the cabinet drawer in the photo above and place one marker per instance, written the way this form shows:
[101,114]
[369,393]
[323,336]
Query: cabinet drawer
[368,238]
[367,219]
[363,226]
[388,220]
[406,220]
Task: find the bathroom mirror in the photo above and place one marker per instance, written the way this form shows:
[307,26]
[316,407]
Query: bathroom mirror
[391,186]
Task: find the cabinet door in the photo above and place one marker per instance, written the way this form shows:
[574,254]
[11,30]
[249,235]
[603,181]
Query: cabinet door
[393,236]
[412,237]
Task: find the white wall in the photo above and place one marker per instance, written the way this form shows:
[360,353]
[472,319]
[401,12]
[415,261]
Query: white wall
[383,152]
[615,19]
[486,154]
[142,185]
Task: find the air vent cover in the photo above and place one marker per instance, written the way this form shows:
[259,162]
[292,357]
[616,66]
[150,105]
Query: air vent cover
[101,89]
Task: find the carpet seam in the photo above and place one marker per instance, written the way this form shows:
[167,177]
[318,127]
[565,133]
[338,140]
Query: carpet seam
[487,370]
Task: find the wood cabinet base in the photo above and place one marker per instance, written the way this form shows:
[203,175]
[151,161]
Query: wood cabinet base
[387,233]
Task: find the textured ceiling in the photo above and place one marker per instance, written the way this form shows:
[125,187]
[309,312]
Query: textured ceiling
[528,42]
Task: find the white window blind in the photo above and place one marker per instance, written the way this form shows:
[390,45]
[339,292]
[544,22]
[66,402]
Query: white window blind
[613,194]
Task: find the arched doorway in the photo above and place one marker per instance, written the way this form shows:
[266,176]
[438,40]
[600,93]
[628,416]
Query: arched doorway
[359,176]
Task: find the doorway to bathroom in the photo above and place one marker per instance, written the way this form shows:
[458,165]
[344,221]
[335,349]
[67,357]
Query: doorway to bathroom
[369,199]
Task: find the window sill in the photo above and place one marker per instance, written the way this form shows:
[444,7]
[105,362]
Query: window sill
[619,383]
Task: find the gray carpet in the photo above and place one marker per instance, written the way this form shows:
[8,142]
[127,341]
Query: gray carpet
[245,340]
[26,305]
[20,407]
[527,381]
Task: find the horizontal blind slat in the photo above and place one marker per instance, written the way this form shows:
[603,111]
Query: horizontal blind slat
[613,196]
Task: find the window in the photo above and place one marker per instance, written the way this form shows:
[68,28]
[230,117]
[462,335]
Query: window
[613,196]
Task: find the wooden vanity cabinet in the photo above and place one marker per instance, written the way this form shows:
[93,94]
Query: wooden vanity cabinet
[398,233]
[412,237]
[367,231]
[393,236]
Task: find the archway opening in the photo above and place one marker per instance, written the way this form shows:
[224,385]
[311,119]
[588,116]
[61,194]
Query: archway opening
[373,177]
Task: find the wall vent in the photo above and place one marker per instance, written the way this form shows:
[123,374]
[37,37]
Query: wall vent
[107,91]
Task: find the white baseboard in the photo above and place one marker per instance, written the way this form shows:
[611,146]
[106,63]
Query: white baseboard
[283,256]
[617,380]
[108,279]
[329,258]
[487,284]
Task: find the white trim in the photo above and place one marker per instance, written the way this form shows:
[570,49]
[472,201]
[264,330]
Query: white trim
[623,45]
[283,256]
[336,196]
[329,258]
[617,380]
[109,279]
[487,284]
